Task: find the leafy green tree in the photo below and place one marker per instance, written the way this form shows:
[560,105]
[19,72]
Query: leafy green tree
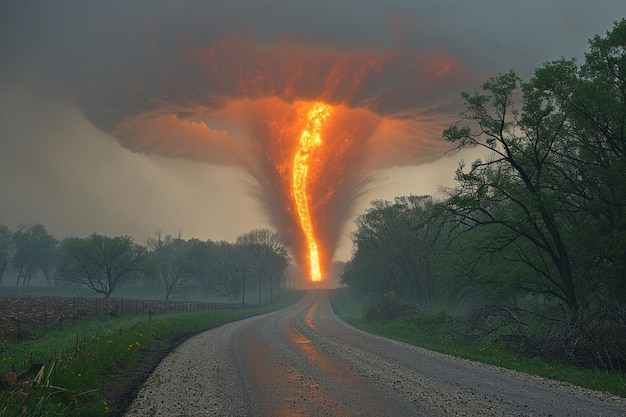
[394,248]
[101,263]
[515,190]
[474,270]
[200,263]
[601,121]
[594,99]
[365,272]
[552,188]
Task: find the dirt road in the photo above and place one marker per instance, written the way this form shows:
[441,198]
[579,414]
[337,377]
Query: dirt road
[304,361]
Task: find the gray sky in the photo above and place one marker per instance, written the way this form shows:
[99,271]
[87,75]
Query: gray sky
[129,117]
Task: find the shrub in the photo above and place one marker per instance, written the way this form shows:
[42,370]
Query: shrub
[386,307]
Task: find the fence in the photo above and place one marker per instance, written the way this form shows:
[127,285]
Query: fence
[20,313]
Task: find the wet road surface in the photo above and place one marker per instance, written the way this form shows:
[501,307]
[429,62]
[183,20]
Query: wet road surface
[304,361]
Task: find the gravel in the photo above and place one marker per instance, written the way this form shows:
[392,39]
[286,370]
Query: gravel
[304,361]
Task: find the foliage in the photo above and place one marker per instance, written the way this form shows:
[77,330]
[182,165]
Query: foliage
[552,190]
[535,229]
[590,341]
[395,243]
[439,331]
[516,191]
[200,258]
[386,307]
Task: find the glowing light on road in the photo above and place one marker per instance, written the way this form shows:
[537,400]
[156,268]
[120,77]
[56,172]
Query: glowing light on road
[309,140]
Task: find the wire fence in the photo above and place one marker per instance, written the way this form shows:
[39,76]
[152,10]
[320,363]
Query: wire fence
[20,315]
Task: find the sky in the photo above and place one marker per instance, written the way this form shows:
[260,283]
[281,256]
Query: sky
[132,117]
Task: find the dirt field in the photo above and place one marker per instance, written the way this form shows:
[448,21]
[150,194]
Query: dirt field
[20,315]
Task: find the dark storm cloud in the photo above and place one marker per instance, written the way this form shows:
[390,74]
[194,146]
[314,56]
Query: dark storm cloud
[177,78]
[120,59]
[147,73]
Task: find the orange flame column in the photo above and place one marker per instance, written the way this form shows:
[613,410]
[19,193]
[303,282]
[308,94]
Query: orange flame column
[309,140]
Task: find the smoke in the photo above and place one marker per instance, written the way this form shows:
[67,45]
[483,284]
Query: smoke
[236,102]
[224,83]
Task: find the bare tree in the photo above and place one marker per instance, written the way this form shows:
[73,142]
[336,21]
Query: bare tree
[100,262]
[167,264]
[267,248]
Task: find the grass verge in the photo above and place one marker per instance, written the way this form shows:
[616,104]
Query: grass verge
[95,368]
[419,332]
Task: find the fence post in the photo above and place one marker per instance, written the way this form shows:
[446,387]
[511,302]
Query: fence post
[18,324]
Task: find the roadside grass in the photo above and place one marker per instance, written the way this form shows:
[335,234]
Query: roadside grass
[63,372]
[428,330]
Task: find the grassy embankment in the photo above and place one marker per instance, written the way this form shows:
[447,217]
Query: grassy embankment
[95,367]
[420,331]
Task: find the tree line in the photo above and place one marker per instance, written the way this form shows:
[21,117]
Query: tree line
[538,223]
[257,260]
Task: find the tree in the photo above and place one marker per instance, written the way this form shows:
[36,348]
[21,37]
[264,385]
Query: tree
[7,249]
[101,263]
[166,263]
[35,250]
[516,190]
[270,251]
[394,249]
[200,263]
[594,97]
[554,184]
[599,109]
[474,269]
[232,265]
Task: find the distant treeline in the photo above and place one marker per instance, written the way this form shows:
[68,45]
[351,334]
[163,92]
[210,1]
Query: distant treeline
[255,266]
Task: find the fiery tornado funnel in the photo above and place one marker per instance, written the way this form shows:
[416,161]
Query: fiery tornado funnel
[310,125]
[309,140]
[309,165]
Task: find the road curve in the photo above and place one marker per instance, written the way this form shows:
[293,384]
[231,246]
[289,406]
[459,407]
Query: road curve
[304,361]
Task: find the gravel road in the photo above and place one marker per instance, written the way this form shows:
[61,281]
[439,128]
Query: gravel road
[304,361]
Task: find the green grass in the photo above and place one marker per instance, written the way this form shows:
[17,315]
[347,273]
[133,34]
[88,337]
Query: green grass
[419,332]
[77,359]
